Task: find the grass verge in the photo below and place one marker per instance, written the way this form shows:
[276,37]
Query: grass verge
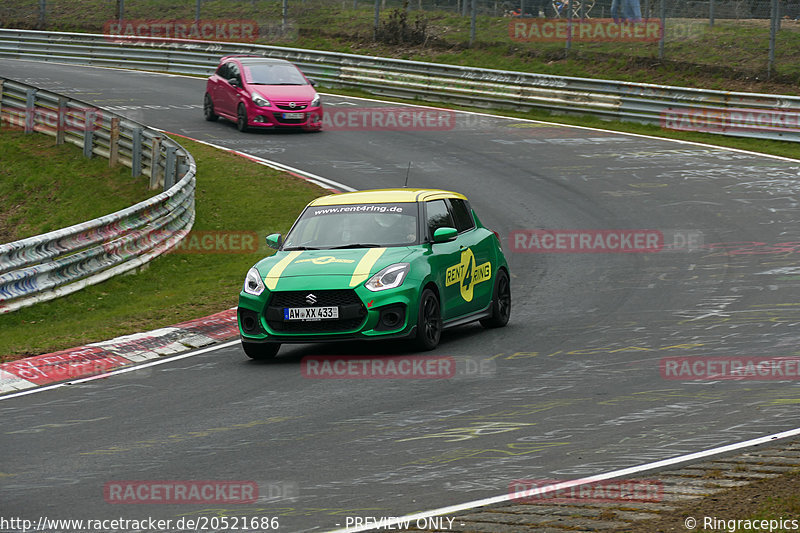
[177,286]
[741,509]
[35,172]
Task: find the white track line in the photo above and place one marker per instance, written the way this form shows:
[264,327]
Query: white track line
[575,482]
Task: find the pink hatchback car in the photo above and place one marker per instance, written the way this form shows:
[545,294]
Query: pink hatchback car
[258,92]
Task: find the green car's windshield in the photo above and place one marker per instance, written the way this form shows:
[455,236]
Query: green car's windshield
[355,226]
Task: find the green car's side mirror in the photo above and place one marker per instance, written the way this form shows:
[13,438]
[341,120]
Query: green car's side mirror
[444,234]
[275,240]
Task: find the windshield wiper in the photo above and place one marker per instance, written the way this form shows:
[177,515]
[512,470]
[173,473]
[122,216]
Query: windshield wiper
[356,245]
[296,248]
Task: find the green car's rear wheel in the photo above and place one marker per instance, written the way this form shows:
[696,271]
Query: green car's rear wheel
[501,302]
[429,321]
[261,351]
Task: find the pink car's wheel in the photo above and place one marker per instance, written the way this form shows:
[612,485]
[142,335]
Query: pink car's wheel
[241,118]
[208,109]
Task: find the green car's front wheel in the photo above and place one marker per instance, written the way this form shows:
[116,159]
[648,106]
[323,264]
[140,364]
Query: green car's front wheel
[429,321]
[260,351]
[501,302]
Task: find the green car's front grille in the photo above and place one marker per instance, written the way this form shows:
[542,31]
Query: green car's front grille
[351,311]
[323,298]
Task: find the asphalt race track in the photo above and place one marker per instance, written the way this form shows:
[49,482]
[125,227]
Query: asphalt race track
[573,386]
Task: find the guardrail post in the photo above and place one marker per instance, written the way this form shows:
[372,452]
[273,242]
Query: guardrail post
[136,153]
[183,168]
[30,110]
[42,15]
[155,155]
[774,21]
[88,133]
[1,101]
[171,167]
[61,120]
[113,143]
[377,20]
[472,21]
[663,16]
[711,13]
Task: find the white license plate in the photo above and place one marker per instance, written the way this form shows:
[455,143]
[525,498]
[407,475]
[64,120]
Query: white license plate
[293,115]
[310,313]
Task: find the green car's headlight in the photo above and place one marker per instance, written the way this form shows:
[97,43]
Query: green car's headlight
[259,100]
[388,278]
[253,284]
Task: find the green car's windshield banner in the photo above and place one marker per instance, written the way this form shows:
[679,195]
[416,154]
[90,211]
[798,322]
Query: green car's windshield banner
[408,209]
[355,225]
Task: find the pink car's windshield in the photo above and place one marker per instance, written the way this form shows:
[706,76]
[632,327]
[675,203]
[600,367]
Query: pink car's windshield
[273,74]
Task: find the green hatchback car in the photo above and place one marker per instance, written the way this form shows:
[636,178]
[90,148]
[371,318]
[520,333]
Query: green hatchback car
[380,264]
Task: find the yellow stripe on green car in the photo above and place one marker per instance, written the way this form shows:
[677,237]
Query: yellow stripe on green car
[274,274]
[361,273]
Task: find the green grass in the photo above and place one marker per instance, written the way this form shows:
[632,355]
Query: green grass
[35,173]
[233,194]
[782,504]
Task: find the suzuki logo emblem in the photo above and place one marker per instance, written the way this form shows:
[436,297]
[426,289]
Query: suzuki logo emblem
[311,299]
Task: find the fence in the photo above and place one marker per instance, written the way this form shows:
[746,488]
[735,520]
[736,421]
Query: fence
[63,261]
[722,112]
[748,37]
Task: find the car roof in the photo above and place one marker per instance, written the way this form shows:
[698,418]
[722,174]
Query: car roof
[386,196]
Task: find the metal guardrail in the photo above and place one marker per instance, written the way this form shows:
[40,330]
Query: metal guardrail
[63,261]
[729,113]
